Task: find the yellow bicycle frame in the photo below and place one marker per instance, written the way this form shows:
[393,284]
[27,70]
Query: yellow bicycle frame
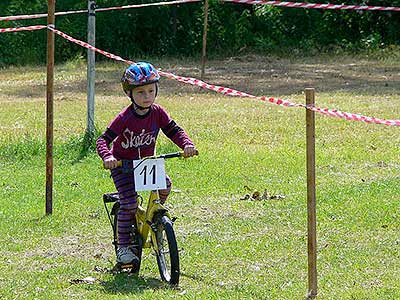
[144,219]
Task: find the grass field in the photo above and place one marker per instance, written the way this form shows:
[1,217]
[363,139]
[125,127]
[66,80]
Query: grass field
[230,248]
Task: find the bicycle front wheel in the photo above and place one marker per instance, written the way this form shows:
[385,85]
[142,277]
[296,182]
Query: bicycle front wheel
[167,255]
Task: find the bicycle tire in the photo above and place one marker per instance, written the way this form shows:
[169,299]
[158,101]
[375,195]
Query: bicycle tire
[167,258]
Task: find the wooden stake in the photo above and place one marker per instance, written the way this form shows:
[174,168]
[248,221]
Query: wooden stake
[50,108]
[311,196]
[205,29]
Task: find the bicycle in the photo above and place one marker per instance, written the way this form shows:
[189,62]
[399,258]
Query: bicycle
[153,225]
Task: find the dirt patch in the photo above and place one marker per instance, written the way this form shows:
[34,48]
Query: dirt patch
[74,246]
[274,77]
[255,74]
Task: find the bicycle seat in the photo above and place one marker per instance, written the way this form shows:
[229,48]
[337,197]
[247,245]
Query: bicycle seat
[110,197]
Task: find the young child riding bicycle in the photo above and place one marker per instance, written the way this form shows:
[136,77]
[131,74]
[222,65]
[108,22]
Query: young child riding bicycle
[133,134]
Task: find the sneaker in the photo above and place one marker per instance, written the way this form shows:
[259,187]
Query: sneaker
[125,255]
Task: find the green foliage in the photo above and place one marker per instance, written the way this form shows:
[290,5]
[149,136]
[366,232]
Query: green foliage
[25,146]
[77,147]
[22,47]
[177,30]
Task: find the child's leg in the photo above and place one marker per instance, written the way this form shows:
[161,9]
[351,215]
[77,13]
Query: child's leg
[128,205]
[164,193]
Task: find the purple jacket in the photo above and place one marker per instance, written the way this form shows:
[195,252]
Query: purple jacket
[134,136]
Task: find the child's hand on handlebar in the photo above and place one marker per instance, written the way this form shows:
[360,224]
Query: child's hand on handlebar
[189,151]
[110,163]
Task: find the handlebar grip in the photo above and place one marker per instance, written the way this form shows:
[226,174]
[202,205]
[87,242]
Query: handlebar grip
[176,154]
[171,155]
[119,164]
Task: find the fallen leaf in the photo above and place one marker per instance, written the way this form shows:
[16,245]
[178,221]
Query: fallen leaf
[382,164]
[256,195]
[101,269]
[247,188]
[278,197]
[265,196]
[246,197]
[87,280]
[94,215]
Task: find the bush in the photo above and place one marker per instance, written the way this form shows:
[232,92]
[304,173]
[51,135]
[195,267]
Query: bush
[177,30]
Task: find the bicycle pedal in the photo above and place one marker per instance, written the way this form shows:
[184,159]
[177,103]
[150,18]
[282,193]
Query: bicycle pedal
[130,267]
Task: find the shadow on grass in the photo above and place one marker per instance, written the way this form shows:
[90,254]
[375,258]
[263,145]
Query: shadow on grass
[123,283]
[194,277]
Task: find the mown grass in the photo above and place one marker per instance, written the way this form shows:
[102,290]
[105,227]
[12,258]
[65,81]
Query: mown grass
[230,248]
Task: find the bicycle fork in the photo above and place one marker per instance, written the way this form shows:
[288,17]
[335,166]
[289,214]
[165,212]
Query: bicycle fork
[146,220]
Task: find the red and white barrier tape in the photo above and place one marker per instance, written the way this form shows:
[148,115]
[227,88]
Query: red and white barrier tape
[27,28]
[316,5]
[146,5]
[220,89]
[88,46]
[187,80]
[225,90]
[38,16]
[352,117]
[274,3]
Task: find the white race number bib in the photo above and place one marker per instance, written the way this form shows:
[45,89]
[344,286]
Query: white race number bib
[149,174]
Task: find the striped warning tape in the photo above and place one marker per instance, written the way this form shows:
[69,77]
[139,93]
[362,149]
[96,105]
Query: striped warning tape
[38,16]
[316,5]
[26,28]
[220,89]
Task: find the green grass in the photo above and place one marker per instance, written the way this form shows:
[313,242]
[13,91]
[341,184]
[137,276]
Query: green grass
[230,248]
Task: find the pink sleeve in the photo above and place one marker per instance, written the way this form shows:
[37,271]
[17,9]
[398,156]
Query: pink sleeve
[104,141]
[103,148]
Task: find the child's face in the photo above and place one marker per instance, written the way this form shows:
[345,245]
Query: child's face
[145,95]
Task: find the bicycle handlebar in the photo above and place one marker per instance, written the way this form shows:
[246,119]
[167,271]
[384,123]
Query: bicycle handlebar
[120,163]
[170,155]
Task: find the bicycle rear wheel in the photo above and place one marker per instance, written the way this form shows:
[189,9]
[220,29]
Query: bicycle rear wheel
[167,256]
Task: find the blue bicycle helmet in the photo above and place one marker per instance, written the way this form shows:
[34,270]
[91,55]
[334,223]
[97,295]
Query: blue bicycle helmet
[139,74]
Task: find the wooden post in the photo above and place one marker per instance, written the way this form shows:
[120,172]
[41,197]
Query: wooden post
[205,29]
[311,196]
[91,67]
[50,108]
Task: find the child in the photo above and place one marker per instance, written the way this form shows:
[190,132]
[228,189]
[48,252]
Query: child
[133,135]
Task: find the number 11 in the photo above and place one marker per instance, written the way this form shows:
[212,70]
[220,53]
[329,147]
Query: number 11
[152,171]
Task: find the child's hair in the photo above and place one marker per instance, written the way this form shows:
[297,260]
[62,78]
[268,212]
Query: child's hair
[139,74]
